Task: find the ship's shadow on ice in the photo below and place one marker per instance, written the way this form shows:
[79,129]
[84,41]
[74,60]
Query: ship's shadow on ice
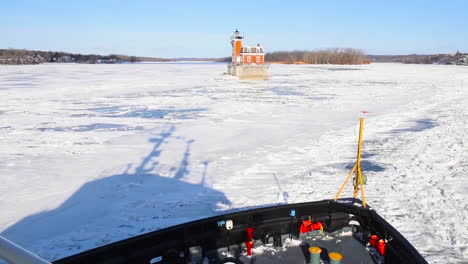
[418,126]
[120,206]
[366,165]
[121,111]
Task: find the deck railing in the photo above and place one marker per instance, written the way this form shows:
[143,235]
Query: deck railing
[14,254]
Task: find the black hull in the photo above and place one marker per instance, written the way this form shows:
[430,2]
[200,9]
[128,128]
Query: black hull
[211,234]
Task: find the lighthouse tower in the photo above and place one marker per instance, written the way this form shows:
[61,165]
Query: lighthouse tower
[236,42]
[247,61]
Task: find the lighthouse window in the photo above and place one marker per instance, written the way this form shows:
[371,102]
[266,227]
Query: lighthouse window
[258,59]
[248,59]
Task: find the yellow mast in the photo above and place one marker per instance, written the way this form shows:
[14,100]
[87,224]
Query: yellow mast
[358,181]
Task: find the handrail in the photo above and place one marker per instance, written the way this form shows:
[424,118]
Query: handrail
[14,254]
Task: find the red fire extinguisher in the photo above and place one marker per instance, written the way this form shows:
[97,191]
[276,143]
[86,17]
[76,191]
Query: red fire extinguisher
[378,244]
[250,240]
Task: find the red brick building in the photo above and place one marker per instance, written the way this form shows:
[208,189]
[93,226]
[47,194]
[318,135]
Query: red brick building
[245,55]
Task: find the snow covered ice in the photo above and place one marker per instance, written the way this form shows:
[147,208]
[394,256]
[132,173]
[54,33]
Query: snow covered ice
[92,154]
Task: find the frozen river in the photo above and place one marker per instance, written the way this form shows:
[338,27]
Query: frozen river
[92,154]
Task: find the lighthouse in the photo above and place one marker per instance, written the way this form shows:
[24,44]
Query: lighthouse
[236,43]
[248,62]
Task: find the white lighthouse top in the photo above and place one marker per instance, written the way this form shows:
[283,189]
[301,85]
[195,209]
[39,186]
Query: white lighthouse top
[237,35]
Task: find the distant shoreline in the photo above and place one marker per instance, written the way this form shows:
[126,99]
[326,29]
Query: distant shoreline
[30,57]
[25,57]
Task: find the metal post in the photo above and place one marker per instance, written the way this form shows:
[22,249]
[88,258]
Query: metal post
[358,162]
[359,173]
[361,128]
[363,195]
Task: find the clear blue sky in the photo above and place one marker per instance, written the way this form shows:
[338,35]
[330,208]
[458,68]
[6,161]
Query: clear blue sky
[202,28]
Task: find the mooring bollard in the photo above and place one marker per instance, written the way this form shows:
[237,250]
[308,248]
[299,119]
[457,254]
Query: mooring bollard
[335,258]
[315,255]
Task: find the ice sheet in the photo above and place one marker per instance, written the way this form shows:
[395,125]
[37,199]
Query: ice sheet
[92,154]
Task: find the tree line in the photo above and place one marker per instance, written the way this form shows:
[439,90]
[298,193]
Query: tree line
[325,56]
[23,56]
